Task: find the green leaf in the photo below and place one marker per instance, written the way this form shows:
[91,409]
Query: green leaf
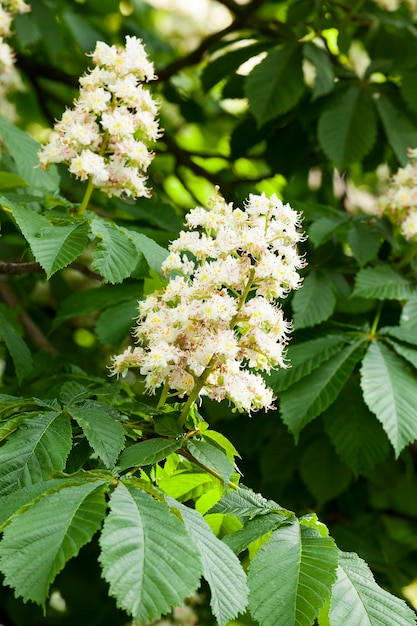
[72,393]
[54,247]
[14,503]
[11,181]
[115,323]
[154,254]
[364,241]
[148,558]
[104,433]
[304,358]
[356,435]
[403,333]
[221,568]
[38,542]
[104,297]
[115,256]
[409,354]
[24,150]
[347,128]
[309,397]
[390,391]
[254,529]
[400,131]
[148,452]
[291,576]
[20,353]
[184,485]
[211,456]
[322,472]
[325,78]
[408,317]
[383,283]
[357,599]
[315,302]
[408,88]
[227,63]
[243,502]
[276,84]
[167,426]
[39,447]
[324,228]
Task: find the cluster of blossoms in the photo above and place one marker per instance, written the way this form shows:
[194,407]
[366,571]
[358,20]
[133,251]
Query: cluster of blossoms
[10,77]
[399,202]
[216,323]
[394,5]
[104,138]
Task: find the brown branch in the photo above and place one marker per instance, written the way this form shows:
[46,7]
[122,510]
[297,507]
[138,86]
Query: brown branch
[33,331]
[15,267]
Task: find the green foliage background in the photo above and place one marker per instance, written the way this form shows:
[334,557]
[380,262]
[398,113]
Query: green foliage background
[335,88]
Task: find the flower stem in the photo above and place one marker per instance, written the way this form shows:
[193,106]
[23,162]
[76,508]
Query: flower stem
[164,395]
[376,320]
[207,469]
[87,196]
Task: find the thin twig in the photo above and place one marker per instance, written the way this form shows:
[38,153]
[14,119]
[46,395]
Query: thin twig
[16,267]
[33,331]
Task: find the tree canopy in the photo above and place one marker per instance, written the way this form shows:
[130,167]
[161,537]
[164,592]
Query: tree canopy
[244,439]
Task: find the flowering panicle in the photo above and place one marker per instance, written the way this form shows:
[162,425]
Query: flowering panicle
[399,202]
[105,136]
[10,77]
[216,323]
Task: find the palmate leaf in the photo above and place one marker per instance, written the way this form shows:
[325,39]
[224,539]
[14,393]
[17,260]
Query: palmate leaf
[148,452]
[104,433]
[154,254]
[347,127]
[211,456]
[400,131]
[221,568]
[383,283]
[38,542]
[14,503]
[304,358]
[364,241]
[148,558]
[324,80]
[357,599]
[276,84]
[243,502]
[115,256]
[39,447]
[291,576]
[20,353]
[228,63]
[408,317]
[322,471]
[390,391]
[115,323]
[24,150]
[315,302]
[54,247]
[86,302]
[356,435]
[311,395]
[253,530]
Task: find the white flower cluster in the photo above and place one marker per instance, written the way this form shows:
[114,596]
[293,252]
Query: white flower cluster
[7,9]
[216,323]
[10,77]
[104,138]
[394,5]
[399,202]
